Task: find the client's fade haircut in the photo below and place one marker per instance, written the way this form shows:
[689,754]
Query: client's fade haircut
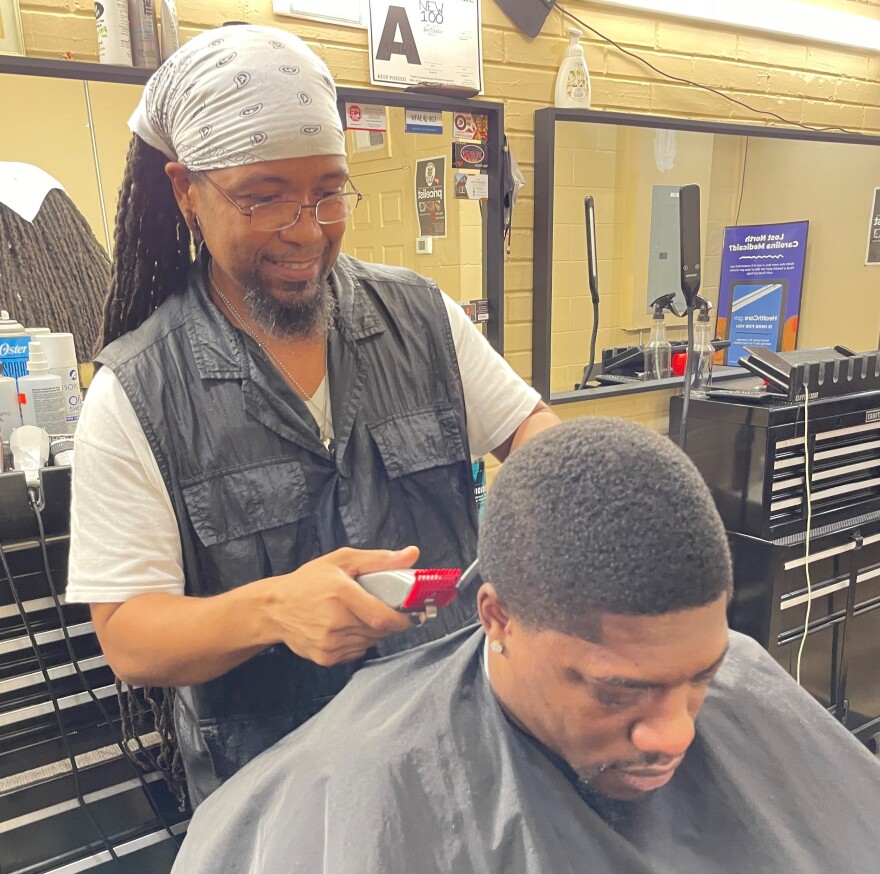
[601,516]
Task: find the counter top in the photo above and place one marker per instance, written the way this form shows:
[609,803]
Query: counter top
[719,374]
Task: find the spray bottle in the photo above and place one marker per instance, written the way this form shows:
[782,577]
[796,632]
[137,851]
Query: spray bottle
[573,78]
[704,351]
[658,351]
[42,402]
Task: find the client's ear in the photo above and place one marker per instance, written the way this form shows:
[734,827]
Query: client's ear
[493,612]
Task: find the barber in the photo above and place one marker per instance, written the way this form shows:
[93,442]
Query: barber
[271,419]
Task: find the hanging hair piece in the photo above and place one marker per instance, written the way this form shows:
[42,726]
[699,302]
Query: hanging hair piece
[53,272]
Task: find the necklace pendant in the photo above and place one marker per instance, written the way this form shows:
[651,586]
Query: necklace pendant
[328,444]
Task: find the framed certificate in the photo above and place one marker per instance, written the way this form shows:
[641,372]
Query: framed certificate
[351,13]
[11,39]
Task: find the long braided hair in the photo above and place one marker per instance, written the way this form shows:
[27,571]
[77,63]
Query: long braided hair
[152,253]
[53,272]
[152,248]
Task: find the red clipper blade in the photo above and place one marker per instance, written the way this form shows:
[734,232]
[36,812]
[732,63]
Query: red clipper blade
[435,587]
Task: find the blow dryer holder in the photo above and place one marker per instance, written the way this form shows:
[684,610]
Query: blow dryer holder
[42,826]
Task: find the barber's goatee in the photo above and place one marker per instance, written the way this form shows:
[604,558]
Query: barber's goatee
[307,315]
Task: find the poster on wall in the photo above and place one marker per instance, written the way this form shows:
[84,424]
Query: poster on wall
[365,116]
[759,295]
[470,156]
[470,126]
[873,255]
[431,42]
[431,196]
[418,121]
[469,185]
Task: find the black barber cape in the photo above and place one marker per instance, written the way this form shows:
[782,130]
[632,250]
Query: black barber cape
[414,769]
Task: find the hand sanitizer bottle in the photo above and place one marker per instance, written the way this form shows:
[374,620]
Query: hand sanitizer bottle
[573,78]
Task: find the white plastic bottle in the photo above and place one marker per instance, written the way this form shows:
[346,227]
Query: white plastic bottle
[573,78]
[114,36]
[61,355]
[42,402]
[10,412]
[169,40]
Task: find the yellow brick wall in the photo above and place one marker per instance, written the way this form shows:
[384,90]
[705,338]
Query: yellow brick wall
[599,152]
[807,83]
[386,182]
[617,166]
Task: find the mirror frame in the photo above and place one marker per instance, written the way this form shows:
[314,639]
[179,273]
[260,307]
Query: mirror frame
[545,158]
[493,225]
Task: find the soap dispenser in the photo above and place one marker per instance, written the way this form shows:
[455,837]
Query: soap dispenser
[573,78]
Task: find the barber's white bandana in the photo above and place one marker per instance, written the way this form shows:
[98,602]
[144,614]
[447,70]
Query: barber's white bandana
[237,95]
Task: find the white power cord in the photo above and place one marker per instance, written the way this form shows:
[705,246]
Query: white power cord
[809,526]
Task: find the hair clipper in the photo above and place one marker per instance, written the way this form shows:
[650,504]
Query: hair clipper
[421,591]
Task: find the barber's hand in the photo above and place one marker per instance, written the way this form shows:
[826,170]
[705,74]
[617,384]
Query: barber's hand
[323,615]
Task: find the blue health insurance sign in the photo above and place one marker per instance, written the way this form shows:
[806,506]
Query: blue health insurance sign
[759,296]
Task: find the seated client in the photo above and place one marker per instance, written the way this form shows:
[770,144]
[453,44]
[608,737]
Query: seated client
[601,718]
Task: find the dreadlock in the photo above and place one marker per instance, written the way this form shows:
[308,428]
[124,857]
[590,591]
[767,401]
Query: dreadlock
[152,245]
[53,272]
[152,254]
[155,713]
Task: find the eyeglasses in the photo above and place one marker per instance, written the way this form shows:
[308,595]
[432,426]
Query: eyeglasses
[279,215]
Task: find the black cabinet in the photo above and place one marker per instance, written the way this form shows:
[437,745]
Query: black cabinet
[755,460]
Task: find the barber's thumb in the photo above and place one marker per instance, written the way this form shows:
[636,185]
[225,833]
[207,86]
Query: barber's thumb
[367,561]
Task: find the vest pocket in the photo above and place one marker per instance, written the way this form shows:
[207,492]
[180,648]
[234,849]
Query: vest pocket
[429,491]
[240,501]
[419,441]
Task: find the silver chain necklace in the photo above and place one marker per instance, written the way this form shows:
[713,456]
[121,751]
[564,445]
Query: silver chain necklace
[326,439]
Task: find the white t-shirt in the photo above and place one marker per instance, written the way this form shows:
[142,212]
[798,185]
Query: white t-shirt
[124,536]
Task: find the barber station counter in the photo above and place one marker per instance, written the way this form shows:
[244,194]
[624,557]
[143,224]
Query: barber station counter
[719,374]
[644,402]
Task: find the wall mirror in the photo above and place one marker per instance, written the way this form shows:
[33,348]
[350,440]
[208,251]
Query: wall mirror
[388,168]
[72,122]
[633,165]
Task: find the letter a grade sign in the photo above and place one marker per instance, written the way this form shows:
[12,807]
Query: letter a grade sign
[434,42]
